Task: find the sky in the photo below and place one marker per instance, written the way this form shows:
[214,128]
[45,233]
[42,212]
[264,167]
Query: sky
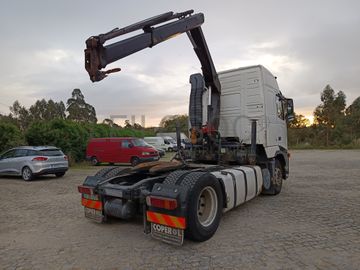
[305,44]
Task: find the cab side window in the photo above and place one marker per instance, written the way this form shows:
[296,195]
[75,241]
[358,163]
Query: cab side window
[280,109]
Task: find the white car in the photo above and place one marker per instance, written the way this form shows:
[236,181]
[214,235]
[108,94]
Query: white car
[157,142]
[30,161]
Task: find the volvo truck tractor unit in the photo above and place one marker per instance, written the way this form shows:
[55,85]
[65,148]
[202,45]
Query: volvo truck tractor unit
[237,128]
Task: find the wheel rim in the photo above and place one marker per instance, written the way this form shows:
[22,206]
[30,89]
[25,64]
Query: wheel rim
[207,206]
[26,174]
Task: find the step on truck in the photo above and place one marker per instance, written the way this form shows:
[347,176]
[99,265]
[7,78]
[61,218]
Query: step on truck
[238,130]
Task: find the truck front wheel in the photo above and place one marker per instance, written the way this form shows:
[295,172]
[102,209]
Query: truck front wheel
[204,208]
[276,180]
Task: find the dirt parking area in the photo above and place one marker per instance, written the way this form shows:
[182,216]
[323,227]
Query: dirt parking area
[313,224]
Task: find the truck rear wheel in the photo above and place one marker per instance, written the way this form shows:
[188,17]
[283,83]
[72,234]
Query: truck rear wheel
[205,203]
[204,208]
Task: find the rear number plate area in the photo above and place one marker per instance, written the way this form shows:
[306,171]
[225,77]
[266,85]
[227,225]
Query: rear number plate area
[93,214]
[167,234]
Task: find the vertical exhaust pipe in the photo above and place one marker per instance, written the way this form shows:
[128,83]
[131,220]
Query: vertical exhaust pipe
[252,155]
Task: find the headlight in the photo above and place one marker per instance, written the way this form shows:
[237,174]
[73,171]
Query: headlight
[145,153]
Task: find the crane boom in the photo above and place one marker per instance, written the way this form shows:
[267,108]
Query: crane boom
[98,55]
[158,29]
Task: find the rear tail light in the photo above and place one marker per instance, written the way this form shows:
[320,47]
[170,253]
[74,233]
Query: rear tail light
[66,158]
[160,202]
[40,159]
[86,190]
[91,204]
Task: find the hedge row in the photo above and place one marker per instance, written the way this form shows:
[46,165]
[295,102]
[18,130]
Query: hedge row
[70,136]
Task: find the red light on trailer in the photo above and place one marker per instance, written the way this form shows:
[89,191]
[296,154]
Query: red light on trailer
[66,157]
[86,190]
[40,159]
[160,202]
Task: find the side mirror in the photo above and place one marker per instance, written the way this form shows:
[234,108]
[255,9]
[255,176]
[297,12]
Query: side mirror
[290,109]
[131,145]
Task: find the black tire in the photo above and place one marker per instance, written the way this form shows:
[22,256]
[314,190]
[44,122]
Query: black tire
[116,171]
[200,228]
[27,174]
[104,171]
[276,180]
[60,174]
[170,149]
[94,161]
[174,176]
[111,171]
[135,161]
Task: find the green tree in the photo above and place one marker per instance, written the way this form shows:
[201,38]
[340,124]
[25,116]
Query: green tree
[21,114]
[47,110]
[10,136]
[299,132]
[127,124]
[137,126]
[168,123]
[79,110]
[108,122]
[353,119]
[299,121]
[71,137]
[9,119]
[331,112]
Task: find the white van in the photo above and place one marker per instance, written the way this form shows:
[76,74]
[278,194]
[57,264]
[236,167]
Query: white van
[157,142]
[170,143]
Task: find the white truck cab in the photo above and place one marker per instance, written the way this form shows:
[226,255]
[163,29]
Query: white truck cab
[252,93]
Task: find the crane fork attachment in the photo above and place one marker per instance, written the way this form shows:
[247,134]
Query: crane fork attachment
[98,55]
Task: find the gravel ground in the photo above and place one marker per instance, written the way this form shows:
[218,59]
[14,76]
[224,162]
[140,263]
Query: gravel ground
[313,224]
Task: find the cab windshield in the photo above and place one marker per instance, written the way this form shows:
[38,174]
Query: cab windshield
[139,142]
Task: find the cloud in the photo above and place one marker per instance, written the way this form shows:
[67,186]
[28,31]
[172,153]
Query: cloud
[305,44]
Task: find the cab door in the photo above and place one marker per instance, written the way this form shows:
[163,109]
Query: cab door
[281,136]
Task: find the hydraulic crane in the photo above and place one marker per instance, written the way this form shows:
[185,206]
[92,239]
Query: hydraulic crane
[158,29]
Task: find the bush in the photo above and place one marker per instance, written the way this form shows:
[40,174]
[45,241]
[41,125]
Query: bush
[10,136]
[73,137]
[67,135]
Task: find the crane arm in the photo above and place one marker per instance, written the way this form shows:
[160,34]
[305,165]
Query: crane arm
[98,55]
